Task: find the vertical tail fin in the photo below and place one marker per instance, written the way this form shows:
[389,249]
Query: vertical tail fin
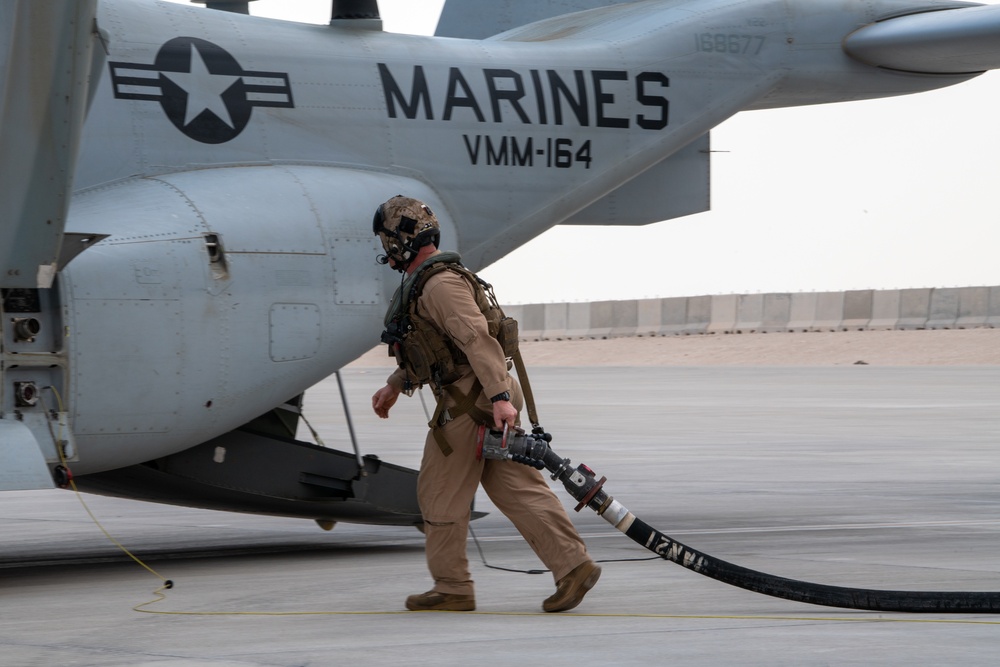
[46,57]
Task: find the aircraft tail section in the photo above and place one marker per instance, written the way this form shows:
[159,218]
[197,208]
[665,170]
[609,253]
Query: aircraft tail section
[479,19]
[46,56]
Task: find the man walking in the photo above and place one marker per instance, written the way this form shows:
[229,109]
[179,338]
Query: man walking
[439,329]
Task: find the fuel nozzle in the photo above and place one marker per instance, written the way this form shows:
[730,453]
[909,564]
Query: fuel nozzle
[533,449]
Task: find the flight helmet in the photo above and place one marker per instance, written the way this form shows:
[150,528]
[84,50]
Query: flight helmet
[404,225]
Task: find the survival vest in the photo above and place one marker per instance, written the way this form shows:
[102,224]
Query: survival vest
[429,356]
[426,353]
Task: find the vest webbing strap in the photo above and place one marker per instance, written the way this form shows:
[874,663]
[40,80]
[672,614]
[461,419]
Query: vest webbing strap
[529,399]
[464,404]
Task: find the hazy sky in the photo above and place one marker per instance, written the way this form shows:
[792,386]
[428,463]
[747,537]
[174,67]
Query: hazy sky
[895,193]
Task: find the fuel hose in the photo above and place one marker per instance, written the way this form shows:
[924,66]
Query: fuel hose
[533,449]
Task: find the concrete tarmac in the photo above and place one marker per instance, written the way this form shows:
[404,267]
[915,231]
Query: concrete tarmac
[858,476]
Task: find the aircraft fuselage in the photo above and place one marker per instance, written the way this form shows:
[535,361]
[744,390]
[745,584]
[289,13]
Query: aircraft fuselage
[234,164]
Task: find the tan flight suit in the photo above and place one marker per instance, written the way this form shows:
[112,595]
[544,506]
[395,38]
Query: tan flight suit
[447,484]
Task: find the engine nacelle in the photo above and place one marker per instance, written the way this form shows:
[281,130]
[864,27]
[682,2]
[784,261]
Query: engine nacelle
[201,310]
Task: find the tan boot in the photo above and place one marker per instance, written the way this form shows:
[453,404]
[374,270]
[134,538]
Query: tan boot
[434,601]
[571,588]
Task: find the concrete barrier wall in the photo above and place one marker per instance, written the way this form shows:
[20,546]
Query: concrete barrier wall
[856,310]
[722,314]
[858,306]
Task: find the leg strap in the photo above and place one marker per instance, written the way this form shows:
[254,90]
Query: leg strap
[464,404]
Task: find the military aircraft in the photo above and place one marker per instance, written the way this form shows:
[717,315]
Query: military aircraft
[185,241]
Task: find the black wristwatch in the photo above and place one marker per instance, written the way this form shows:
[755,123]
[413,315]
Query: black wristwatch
[505,396]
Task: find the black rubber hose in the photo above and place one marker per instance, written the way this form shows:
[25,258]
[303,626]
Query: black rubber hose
[581,483]
[955,602]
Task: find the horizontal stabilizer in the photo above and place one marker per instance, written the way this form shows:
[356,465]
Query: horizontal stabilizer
[955,41]
[46,53]
[678,186]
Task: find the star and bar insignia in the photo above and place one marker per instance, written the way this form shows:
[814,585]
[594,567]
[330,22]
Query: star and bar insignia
[202,88]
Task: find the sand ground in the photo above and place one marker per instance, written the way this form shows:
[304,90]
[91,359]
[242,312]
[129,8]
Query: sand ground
[957,347]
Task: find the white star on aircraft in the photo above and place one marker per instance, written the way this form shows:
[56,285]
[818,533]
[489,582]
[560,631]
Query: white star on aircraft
[204,89]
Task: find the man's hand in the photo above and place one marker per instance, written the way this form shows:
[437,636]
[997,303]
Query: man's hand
[384,399]
[504,413]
